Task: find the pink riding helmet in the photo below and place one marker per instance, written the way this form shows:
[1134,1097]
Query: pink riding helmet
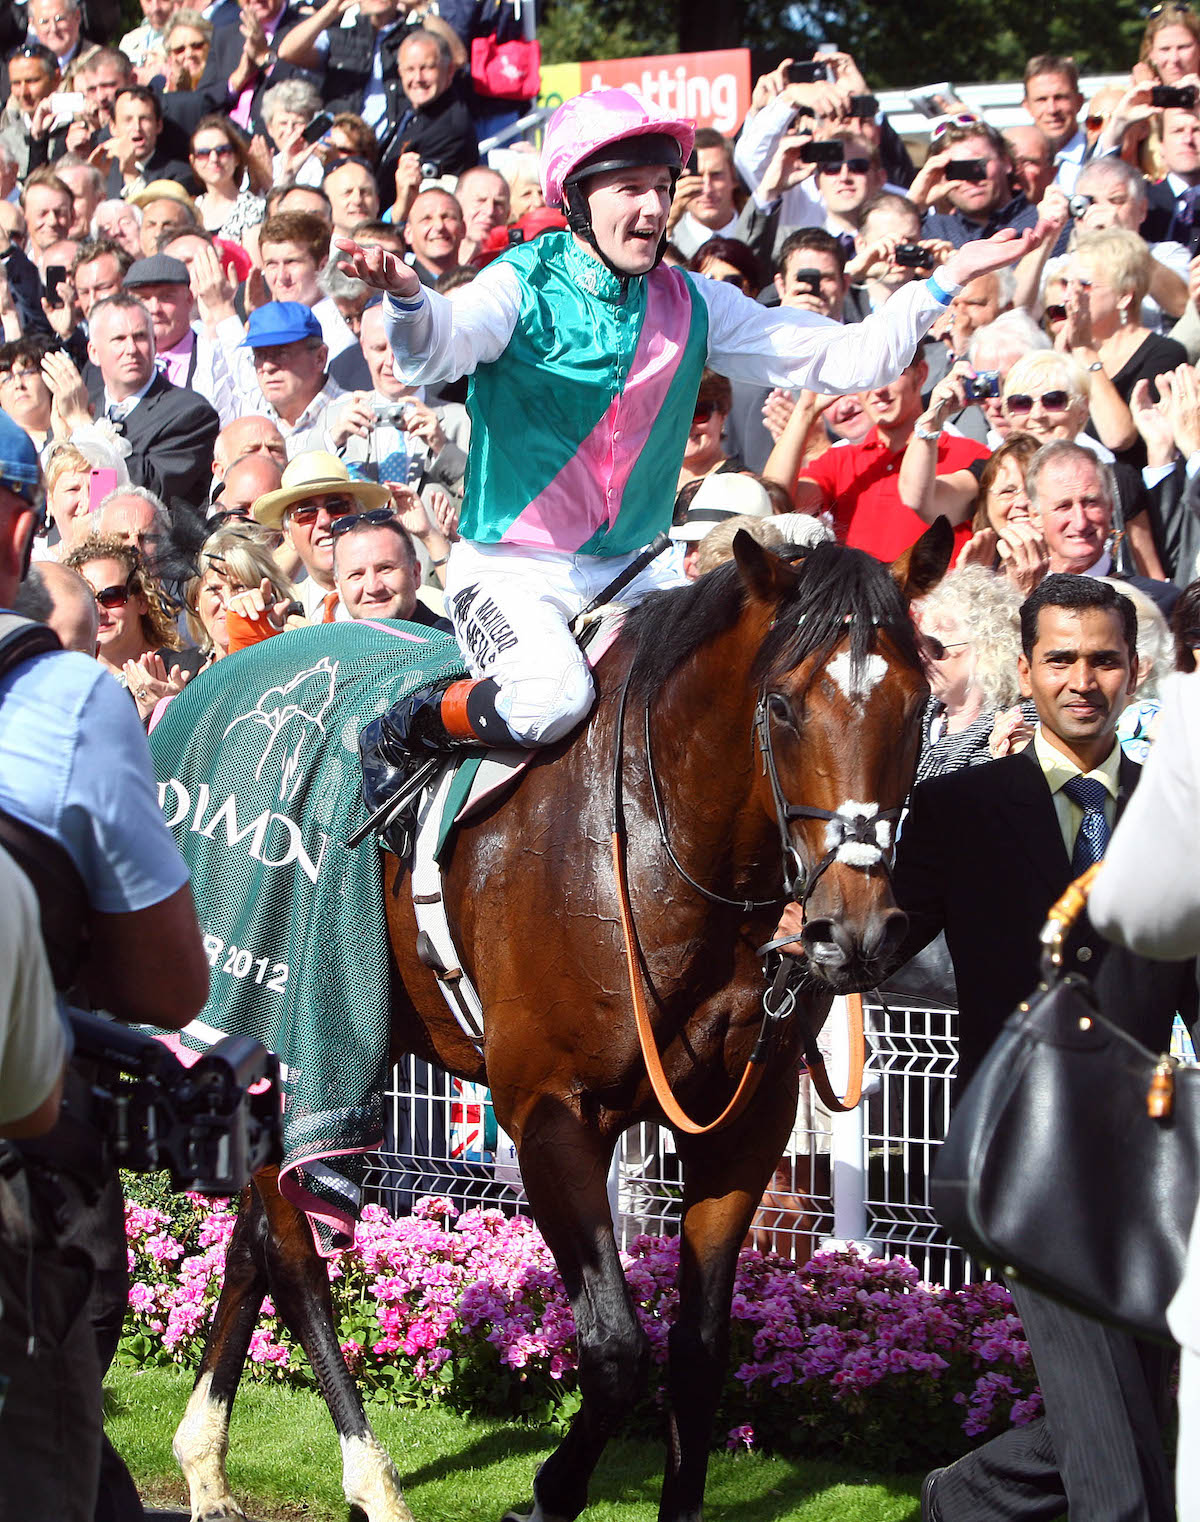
[584,125]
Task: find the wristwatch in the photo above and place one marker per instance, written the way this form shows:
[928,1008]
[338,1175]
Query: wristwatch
[929,436]
[1097,364]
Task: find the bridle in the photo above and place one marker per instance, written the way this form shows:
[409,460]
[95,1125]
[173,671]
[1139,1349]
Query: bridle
[857,834]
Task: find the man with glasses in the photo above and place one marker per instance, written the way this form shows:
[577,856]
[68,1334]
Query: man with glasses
[292,385]
[966,184]
[796,193]
[1033,162]
[56,25]
[316,491]
[376,570]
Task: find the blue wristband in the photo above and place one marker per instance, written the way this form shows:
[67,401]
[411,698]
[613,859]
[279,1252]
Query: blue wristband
[414,303]
[939,293]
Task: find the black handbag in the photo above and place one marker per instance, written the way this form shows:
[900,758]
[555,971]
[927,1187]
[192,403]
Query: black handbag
[1072,1161]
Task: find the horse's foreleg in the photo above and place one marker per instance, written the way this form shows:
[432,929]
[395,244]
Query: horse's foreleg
[299,1285]
[202,1437]
[724,1177]
[565,1169]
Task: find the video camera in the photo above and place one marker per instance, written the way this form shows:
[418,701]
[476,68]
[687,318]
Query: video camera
[200,1123]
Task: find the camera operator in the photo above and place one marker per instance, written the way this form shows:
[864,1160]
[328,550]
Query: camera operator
[119,923]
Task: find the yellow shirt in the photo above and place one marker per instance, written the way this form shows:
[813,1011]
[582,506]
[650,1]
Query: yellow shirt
[1058,771]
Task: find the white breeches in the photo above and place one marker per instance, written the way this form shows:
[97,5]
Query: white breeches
[510,607]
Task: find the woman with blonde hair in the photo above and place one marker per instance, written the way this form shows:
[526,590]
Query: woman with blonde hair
[1170,49]
[1107,281]
[68,474]
[136,630]
[238,576]
[1049,395]
[970,628]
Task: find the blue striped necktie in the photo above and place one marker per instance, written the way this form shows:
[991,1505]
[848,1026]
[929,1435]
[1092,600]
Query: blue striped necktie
[1090,844]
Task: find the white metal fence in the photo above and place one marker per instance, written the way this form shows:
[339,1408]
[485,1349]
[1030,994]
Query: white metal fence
[861,1177]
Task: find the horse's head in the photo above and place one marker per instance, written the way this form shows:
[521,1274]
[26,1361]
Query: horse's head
[838,728]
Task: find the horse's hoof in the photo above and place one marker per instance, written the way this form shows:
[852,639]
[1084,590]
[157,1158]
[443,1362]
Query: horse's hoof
[536,1515]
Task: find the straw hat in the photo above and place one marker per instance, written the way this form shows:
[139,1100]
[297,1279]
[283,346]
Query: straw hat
[315,473]
[164,190]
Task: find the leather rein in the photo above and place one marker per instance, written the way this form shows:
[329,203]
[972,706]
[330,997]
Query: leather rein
[779,1000]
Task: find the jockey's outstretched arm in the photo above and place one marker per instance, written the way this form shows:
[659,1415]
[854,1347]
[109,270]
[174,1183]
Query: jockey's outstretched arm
[437,339]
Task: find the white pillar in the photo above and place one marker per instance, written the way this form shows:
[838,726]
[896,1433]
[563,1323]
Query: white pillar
[848,1148]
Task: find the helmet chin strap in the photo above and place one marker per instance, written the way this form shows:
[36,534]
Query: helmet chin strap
[579,220]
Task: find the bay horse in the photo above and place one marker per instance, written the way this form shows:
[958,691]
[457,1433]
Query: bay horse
[755,733]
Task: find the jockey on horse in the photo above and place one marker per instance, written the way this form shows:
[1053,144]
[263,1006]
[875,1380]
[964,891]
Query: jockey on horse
[585,354]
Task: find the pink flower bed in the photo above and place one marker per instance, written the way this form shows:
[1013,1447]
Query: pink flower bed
[469,1309]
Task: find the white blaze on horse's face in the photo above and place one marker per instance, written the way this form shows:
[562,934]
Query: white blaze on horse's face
[856,680]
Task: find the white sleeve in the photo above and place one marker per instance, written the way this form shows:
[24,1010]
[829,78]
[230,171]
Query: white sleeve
[789,347]
[437,338]
[1147,894]
[760,137]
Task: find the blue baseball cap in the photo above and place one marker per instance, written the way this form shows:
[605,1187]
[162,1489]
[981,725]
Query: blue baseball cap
[20,470]
[280,322]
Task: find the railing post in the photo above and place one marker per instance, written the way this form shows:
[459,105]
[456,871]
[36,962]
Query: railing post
[848,1146]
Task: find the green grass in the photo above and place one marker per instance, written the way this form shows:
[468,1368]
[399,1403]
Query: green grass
[284,1464]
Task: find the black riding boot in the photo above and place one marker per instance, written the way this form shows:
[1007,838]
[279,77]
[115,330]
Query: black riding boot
[446,716]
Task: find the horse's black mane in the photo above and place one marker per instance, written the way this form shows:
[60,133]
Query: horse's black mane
[838,592]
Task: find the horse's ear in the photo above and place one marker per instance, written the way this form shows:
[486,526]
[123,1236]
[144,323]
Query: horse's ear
[765,575]
[924,563]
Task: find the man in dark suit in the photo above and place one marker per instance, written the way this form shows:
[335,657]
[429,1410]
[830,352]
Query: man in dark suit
[172,430]
[982,856]
[138,152]
[1172,214]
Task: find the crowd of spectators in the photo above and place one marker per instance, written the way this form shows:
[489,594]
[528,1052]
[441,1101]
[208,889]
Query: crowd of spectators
[228,451]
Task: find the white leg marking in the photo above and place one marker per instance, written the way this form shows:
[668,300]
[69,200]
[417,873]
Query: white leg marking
[200,1445]
[857,680]
[370,1481]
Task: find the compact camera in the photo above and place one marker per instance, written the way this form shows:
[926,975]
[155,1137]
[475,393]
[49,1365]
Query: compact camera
[977,388]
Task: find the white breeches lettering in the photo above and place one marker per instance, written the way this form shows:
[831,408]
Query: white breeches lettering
[511,608]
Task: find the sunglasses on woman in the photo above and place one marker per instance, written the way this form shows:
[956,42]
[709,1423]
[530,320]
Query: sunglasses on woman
[115,596]
[217,151]
[937,651]
[704,410]
[1020,405]
[376,518]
